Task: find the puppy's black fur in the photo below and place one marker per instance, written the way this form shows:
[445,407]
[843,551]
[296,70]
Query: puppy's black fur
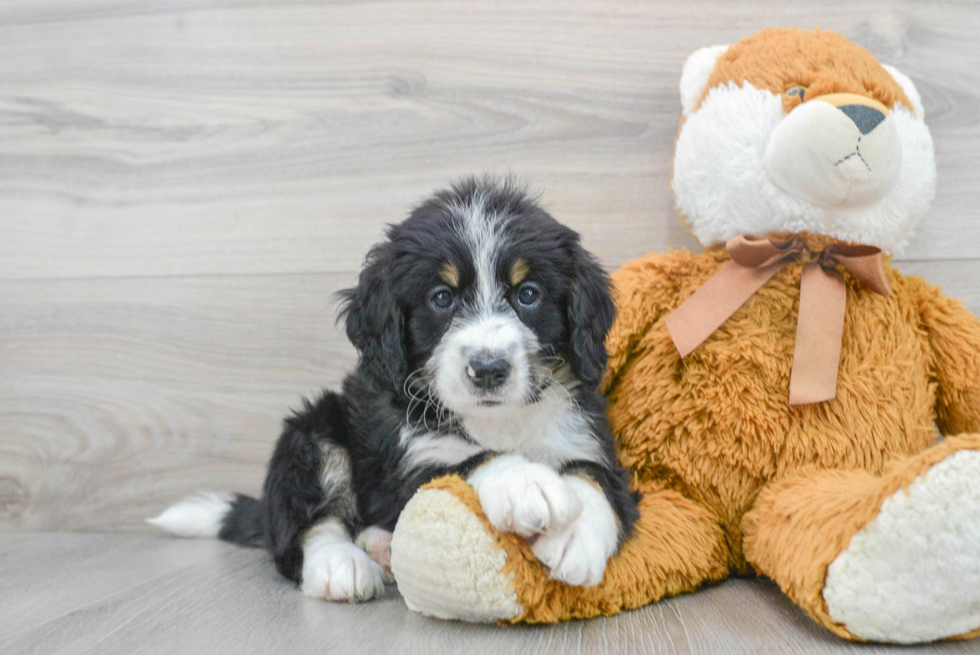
[396,330]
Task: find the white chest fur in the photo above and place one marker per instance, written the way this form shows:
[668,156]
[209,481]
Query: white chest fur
[551,431]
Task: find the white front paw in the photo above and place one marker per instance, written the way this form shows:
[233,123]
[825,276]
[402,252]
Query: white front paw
[578,553]
[336,569]
[524,497]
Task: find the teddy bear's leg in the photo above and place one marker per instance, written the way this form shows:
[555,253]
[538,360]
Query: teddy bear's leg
[890,558]
[450,563]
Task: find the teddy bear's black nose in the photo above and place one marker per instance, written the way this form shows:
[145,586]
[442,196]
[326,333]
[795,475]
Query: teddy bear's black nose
[866,118]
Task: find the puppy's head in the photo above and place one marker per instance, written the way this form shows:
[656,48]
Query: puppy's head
[480,300]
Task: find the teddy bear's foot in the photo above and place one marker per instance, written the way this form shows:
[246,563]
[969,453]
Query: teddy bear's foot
[461,579]
[913,573]
[892,557]
[451,563]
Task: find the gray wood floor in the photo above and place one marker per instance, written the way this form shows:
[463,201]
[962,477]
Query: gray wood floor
[185,183]
[107,594]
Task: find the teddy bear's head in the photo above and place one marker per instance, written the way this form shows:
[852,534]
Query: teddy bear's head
[792,131]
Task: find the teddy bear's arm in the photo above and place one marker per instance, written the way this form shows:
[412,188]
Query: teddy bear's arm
[645,291]
[954,339]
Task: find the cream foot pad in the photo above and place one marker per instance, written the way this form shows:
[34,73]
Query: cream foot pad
[447,564]
[913,573]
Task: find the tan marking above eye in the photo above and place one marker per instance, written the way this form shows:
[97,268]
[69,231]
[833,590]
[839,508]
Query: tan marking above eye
[518,271]
[450,274]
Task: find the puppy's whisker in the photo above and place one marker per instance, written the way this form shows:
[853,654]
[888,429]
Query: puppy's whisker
[430,401]
[438,408]
[408,379]
[413,404]
[418,391]
[552,382]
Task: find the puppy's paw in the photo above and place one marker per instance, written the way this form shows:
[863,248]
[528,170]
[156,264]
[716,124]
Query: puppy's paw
[336,569]
[577,554]
[524,497]
[376,542]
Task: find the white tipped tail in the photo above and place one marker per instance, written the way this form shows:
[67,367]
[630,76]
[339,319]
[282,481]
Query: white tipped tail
[200,516]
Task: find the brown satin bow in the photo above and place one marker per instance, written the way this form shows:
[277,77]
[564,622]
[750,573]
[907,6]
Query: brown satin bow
[823,299]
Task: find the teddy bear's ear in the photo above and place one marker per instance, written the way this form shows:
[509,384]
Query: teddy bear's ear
[909,88]
[697,71]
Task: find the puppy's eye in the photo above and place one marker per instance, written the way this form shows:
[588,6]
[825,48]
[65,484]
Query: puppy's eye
[528,295]
[442,299]
[796,91]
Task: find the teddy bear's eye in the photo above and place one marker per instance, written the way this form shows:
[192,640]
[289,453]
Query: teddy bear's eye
[796,91]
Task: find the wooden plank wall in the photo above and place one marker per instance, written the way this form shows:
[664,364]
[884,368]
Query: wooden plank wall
[185,183]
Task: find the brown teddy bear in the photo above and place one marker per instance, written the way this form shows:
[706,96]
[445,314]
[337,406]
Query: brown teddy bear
[776,397]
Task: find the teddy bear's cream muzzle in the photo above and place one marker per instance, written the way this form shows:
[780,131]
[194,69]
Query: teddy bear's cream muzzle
[836,150]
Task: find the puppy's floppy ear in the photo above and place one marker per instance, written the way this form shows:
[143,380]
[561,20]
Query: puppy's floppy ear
[375,322]
[590,316]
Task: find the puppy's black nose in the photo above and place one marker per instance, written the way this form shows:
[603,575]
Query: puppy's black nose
[488,373]
[866,118]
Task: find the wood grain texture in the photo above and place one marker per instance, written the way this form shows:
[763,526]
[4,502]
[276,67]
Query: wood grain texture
[217,137]
[119,395]
[107,594]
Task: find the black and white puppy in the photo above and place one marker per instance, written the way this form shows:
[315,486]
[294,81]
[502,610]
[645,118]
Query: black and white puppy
[480,324]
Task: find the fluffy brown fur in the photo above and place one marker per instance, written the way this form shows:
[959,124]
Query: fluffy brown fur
[822,62]
[716,426]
